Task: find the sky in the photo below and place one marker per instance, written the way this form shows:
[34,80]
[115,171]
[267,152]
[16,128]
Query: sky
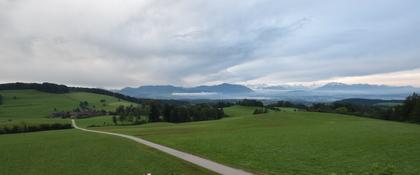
[114,43]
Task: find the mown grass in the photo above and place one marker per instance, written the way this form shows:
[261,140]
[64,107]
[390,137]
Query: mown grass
[35,104]
[75,152]
[95,121]
[292,142]
[72,151]
[287,109]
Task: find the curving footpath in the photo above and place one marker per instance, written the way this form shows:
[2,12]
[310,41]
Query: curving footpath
[208,164]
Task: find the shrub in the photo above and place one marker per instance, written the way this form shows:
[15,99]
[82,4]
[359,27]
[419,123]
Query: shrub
[23,127]
[260,111]
[386,169]
[247,102]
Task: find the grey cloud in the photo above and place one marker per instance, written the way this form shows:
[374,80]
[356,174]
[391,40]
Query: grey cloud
[189,42]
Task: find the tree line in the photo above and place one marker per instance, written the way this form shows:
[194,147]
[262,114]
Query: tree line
[288,104]
[408,111]
[130,114]
[84,110]
[166,113]
[1,99]
[31,127]
[44,87]
[250,102]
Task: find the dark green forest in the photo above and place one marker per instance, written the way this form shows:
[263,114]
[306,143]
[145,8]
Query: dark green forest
[408,111]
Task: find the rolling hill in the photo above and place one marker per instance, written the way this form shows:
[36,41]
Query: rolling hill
[285,142]
[290,142]
[69,152]
[36,104]
[72,151]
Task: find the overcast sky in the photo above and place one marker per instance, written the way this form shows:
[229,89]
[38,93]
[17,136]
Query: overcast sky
[114,43]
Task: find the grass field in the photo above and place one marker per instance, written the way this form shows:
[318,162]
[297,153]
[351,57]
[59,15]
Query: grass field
[292,142]
[76,152]
[35,104]
[72,151]
[285,142]
[99,121]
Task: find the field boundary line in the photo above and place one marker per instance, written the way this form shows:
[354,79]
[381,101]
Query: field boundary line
[205,163]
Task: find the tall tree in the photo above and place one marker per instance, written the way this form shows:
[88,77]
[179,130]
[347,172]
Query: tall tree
[411,108]
[114,120]
[167,112]
[154,115]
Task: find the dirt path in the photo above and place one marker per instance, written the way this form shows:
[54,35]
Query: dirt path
[205,163]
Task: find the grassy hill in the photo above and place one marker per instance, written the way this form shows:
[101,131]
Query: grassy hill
[289,142]
[72,151]
[76,152]
[23,104]
[285,142]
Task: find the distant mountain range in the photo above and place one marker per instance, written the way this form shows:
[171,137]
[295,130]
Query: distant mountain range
[327,92]
[169,91]
[366,88]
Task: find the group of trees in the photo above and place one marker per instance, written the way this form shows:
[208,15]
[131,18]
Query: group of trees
[84,110]
[370,111]
[130,114]
[187,113]
[260,111]
[84,105]
[156,112]
[44,87]
[1,99]
[288,104]
[408,111]
[248,102]
[223,104]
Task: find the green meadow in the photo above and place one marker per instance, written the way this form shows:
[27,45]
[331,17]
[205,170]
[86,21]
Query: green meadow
[289,142]
[24,104]
[279,142]
[77,152]
[72,151]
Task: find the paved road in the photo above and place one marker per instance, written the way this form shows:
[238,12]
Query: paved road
[208,164]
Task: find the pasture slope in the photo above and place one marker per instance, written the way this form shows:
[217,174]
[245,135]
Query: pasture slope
[72,151]
[24,104]
[291,142]
[285,142]
[208,164]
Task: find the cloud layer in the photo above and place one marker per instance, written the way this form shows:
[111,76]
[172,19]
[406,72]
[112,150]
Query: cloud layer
[188,42]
